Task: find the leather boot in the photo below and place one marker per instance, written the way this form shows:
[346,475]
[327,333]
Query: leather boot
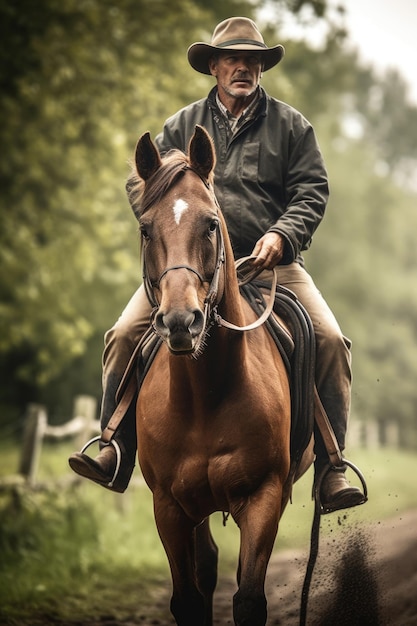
[113,466]
[335,491]
[105,469]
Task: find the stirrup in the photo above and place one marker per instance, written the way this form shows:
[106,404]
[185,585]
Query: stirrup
[116,446]
[330,467]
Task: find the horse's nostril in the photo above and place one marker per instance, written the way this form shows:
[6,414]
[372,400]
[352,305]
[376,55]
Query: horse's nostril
[160,325]
[197,325]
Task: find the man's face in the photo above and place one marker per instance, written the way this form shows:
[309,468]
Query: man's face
[237,73]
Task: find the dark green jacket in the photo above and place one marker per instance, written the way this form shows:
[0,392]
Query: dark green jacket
[269,176]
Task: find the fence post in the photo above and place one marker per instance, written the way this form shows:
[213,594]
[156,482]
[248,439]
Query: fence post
[35,425]
[85,406]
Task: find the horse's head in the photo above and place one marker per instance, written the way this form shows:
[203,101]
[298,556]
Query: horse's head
[182,242]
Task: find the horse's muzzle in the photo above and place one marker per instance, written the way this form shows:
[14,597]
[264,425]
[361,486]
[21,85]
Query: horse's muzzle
[180,330]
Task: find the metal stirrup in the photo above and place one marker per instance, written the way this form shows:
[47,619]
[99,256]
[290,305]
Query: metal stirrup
[116,446]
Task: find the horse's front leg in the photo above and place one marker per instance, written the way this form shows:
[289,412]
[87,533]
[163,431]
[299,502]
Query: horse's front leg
[206,559]
[258,522]
[176,531]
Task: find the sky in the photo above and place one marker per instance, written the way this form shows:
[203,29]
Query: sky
[383,31]
[385,34]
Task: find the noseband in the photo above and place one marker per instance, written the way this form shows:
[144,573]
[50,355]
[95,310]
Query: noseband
[178,267]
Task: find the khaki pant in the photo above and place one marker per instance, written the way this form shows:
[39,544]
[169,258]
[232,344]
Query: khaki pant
[333,357]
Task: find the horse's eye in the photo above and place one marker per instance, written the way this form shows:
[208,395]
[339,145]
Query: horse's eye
[213,226]
[144,233]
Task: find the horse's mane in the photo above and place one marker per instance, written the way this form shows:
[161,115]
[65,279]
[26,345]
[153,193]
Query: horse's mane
[143,194]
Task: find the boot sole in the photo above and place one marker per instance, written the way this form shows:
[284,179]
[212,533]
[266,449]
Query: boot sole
[344,500]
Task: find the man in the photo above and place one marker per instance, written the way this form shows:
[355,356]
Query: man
[271,184]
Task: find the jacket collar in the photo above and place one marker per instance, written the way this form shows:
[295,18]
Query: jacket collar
[262,106]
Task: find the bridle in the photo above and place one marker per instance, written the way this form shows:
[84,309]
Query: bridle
[211,301]
[211,296]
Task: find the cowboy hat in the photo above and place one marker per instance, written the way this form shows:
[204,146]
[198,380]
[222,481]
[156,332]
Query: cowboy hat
[235,33]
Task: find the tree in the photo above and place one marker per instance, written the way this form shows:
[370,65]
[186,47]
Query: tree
[74,111]
[390,123]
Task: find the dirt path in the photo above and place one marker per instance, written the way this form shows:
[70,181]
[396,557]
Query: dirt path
[365,576]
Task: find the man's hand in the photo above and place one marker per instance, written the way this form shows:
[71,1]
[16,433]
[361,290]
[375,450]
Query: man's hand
[269,251]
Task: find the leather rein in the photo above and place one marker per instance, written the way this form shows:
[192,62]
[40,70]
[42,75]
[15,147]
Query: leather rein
[211,314]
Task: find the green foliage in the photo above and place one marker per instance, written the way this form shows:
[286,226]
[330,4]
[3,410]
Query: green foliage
[98,76]
[36,529]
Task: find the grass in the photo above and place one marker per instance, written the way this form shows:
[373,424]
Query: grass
[83,552]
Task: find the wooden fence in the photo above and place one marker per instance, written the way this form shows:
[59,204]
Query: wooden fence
[82,427]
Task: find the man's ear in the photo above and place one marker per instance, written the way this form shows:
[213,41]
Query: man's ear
[212,63]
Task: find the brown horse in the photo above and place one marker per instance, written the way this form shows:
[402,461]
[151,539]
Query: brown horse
[213,414]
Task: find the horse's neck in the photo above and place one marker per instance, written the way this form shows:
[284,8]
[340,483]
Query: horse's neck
[225,352]
[214,374]
[223,357]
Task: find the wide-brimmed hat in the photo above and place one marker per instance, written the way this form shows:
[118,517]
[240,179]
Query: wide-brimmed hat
[235,33]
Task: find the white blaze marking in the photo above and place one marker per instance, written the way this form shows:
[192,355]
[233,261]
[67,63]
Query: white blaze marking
[179,207]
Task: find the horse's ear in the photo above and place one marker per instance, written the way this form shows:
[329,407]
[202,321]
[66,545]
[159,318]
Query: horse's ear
[201,152]
[147,157]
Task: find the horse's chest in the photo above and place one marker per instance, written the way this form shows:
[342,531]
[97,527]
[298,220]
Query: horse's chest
[204,480]
[206,460]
